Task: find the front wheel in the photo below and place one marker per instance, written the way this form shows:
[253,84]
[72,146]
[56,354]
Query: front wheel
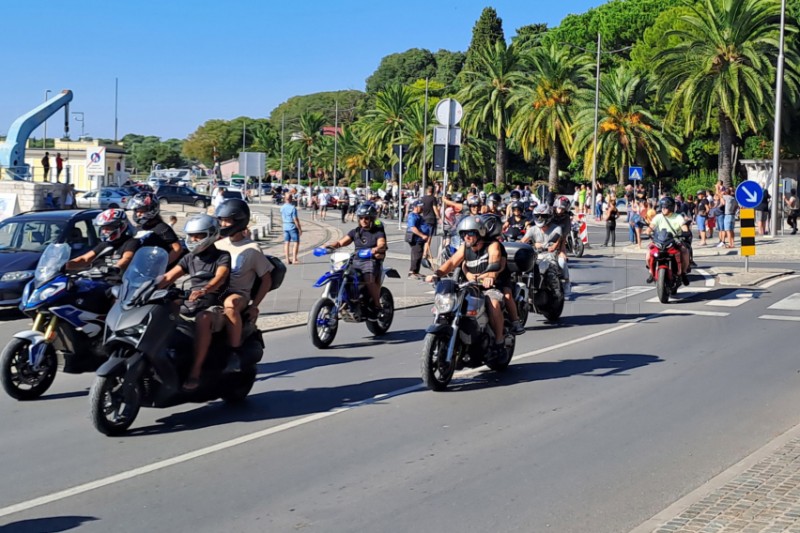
[578,247]
[238,392]
[555,306]
[501,364]
[199,203]
[20,380]
[662,287]
[114,405]
[436,371]
[323,323]
[523,312]
[382,325]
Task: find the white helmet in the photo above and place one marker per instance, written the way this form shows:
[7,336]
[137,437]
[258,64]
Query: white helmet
[203,224]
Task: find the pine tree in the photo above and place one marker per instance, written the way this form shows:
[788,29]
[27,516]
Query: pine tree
[487,30]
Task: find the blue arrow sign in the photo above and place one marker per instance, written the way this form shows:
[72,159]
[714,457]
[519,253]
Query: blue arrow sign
[635,173]
[749,194]
[387,175]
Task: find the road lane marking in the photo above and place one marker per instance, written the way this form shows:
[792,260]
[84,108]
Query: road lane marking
[627,292]
[697,312]
[733,299]
[780,317]
[683,295]
[188,456]
[790,303]
[708,277]
[770,283]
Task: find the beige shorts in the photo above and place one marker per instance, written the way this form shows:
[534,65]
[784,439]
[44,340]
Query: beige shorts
[217,318]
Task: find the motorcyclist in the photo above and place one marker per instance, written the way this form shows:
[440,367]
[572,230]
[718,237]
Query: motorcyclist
[563,217]
[146,213]
[516,224]
[113,228]
[369,235]
[482,261]
[546,236]
[493,204]
[676,225]
[248,264]
[204,302]
[516,196]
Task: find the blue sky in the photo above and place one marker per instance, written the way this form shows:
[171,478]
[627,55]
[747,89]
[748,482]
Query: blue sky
[181,62]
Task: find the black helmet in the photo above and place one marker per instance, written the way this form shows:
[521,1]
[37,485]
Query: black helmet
[145,207]
[473,201]
[494,199]
[458,197]
[367,209]
[236,209]
[516,205]
[667,202]
[516,194]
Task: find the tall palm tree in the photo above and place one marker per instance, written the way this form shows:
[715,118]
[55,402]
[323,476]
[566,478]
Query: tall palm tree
[305,141]
[414,134]
[627,131]
[720,71]
[486,96]
[356,152]
[385,124]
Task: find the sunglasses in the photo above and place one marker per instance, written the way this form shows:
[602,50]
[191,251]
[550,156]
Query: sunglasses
[471,233]
[363,218]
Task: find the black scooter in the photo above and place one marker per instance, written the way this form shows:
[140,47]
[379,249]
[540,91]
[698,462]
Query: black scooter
[151,351]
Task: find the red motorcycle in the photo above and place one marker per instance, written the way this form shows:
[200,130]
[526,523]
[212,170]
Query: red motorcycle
[665,258]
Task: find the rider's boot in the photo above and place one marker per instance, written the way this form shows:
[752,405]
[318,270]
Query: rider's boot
[234,363]
[516,328]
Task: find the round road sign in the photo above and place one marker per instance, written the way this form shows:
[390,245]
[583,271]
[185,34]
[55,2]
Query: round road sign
[448,112]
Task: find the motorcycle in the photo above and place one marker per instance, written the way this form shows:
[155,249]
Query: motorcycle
[574,243]
[665,256]
[460,335]
[68,312]
[537,281]
[345,297]
[151,351]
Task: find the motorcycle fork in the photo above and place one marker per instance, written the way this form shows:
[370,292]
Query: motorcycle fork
[451,346]
[50,330]
[38,322]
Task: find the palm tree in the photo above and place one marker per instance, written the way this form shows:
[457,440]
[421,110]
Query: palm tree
[486,96]
[356,153]
[627,131]
[307,138]
[720,71]
[544,99]
[385,124]
[414,134]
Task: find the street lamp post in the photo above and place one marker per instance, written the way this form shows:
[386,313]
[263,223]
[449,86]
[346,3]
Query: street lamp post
[44,143]
[776,149]
[76,113]
[335,142]
[593,199]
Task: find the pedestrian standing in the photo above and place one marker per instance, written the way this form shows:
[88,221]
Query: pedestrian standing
[324,198]
[701,215]
[726,229]
[582,199]
[59,166]
[291,229]
[46,164]
[610,215]
[344,203]
[416,237]
[69,197]
[762,214]
[793,208]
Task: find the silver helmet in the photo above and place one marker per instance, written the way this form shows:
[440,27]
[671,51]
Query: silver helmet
[471,223]
[542,215]
[201,224]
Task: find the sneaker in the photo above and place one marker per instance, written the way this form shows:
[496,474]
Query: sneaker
[234,364]
[516,328]
[649,279]
[685,279]
[413,275]
[720,244]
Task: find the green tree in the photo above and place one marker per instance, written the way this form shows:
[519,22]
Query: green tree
[385,125]
[306,140]
[448,66]
[350,102]
[627,131]
[544,100]
[405,67]
[721,69]
[488,30]
[529,36]
[486,97]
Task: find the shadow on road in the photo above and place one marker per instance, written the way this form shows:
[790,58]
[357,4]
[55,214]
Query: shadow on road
[583,320]
[274,405]
[599,366]
[393,337]
[63,395]
[292,366]
[52,524]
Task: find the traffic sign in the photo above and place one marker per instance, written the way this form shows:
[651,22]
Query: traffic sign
[635,173]
[448,112]
[96,161]
[747,219]
[387,175]
[749,194]
[440,135]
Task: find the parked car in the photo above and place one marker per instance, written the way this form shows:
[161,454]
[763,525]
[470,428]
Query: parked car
[106,198]
[24,237]
[176,194]
[234,193]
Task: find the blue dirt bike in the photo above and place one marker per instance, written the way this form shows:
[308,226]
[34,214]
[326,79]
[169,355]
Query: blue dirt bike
[345,297]
[68,312]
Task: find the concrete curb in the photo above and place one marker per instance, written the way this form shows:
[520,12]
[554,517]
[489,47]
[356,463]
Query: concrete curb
[740,278]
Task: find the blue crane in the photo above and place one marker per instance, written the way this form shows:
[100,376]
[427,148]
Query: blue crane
[12,151]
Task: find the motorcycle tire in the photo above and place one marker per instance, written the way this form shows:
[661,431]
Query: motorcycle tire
[552,313]
[237,392]
[436,373]
[499,365]
[380,327]
[19,380]
[321,335]
[111,414]
[523,313]
[662,287]
[578,247]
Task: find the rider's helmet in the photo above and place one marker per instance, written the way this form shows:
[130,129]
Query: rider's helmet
[482,196]
[111,224]
[542,214]
[471,223]
[561,207]
[236,209]
[368,210]
[494,199]
[458,197]
[667,202]
[515,195]
[516,206]
[205,225]
[473,201]
[145,207]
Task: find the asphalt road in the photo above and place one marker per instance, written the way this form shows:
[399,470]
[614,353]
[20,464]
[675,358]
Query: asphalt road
[599,423]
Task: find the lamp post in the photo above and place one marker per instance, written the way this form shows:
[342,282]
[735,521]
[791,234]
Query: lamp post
[44,143]
[776,149]
[76,113]
[335,143]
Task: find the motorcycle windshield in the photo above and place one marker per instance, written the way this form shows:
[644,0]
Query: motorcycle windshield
[53,259]
[148,264]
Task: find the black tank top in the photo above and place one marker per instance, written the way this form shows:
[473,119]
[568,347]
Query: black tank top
[478,262]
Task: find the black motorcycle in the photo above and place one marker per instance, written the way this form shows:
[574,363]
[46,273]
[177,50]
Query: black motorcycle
[68,312]
[537,281]
[151,351]
[460,335]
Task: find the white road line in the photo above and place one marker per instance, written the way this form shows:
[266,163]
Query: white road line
[627,292]
[584,288]
[683,295]
[692,312]
[733,299]
[775,281]
[780,317]
[178,459]
[790,303]
[707,276]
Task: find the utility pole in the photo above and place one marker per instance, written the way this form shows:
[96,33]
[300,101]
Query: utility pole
[596,112]
[283,127]
[425,141]
[335,142]
[116,102]
[776,148]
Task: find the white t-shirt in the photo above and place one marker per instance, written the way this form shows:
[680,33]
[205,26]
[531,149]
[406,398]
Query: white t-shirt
[247,264]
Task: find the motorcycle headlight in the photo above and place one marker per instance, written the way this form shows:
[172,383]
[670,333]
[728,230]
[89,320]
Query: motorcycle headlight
[49,292]
[135,331]
[19,275]
[444,302]
[339,260]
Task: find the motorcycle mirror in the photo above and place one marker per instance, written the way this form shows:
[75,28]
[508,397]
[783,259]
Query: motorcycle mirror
[427,264]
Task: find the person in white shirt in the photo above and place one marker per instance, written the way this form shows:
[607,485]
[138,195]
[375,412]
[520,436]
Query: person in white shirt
[218,198]
[324,198]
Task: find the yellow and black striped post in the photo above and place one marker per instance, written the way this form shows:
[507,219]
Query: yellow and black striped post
[747,218]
